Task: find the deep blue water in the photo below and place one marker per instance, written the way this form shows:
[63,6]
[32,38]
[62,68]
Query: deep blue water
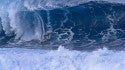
[90,25]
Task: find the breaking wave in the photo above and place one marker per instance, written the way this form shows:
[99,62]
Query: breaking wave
[75,24]
[36,29]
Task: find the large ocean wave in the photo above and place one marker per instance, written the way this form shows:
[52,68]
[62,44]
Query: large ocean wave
[76,25]
[91,32]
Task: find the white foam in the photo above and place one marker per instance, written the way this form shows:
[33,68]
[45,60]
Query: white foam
[62,59]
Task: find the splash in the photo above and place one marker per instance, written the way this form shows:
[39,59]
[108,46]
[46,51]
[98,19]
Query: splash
[67,22]
[61,59]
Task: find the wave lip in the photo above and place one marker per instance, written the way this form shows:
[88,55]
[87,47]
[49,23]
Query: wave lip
[23,5]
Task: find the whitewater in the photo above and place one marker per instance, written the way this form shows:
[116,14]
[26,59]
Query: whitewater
[62,35]
[61,59]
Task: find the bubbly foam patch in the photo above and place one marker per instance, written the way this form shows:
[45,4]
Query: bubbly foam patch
[61,59]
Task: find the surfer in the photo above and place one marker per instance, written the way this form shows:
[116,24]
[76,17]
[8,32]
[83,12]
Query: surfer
[46,37]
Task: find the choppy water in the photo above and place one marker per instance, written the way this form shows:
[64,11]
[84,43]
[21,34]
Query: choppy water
[91,32]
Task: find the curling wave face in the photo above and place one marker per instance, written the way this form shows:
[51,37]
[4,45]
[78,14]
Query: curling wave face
[66,22]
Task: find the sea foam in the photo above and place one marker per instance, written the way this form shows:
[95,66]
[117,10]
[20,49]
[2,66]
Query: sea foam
[61,59]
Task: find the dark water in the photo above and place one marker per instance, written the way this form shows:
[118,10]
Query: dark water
[87,26]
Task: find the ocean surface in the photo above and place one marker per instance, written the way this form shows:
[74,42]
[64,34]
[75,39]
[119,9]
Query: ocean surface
[62,35]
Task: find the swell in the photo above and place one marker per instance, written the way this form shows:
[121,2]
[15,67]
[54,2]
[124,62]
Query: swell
[87,26]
